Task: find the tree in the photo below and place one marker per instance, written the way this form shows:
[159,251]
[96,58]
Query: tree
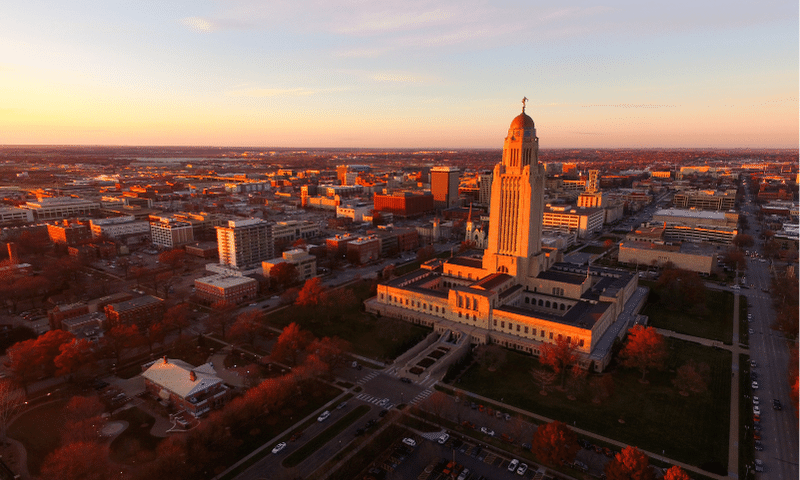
[24,363]
[645,349]
[630,464]
[331,352]
[221,318]
[425,253]
[576,381]
[300,243]
[554,443]
[735,258]
[74,356]
[676,473]
[691,377]
[436,403]
[491,356]
[173,258]
[49,347]
[12,399]
[743,241]
[246,327]
[121,338]
[544,379]
[155,333]
[559,356]
[681,289]
[313,294]
[177,317]
[290,343]
[83,420]
[283,274]
[79,461]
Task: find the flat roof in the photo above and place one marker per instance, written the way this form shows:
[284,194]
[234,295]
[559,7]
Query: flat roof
[224,281]
[686,213]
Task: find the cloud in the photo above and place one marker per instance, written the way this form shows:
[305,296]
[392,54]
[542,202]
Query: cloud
[381,22]
[198,24]
[631,105]
[271,92]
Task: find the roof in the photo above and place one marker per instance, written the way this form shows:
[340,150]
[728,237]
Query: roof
[135,303]
[466,262]
[174,375]
[521,122]
[225,281]
[492,281]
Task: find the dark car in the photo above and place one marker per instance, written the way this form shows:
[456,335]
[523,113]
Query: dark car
[383,412]
[776,404]
[759,446]
[527,446]
[405,379]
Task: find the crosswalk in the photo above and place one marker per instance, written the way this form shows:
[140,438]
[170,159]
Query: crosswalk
[367,378]
[421,396]
[365,397]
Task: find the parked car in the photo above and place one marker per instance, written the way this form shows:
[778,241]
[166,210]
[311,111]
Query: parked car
[522,469]
[279,447]
[776,404]
[755,400]
[512,465]
[443,438]
[754,385]
[405,379]
[410,442]
[487,431]
[756,410]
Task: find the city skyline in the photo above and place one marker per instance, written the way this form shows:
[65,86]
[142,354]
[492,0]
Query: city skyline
[381,75]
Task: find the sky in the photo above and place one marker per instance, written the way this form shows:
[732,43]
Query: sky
[400,74]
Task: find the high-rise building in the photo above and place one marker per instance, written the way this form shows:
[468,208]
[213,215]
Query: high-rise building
[515,222]
[245,243]
[485,188]
[444,186]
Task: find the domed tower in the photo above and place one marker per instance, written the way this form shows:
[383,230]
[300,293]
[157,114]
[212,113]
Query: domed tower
[515,222]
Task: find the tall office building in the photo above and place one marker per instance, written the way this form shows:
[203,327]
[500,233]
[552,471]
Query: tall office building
[444,186]
[485,188]
[245,243]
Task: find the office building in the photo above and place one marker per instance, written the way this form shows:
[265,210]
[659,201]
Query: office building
[444,186]
[245,243]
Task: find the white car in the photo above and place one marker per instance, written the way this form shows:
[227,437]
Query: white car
[487,431]
[522,469]
[443,438]
[279,447]
[755,385]
[512,465]
[756,410]
[410,442]
[324,416]
[755,400]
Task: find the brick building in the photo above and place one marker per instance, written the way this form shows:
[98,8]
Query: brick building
[404,204]
[227,289]
[196,390]
[141,311]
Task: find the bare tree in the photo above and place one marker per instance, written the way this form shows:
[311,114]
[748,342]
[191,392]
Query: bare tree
[12,398]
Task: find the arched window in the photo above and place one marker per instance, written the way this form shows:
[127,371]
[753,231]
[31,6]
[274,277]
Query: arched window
[547,304]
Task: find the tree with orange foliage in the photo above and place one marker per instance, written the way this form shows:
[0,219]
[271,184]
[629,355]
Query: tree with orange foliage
[83,419]
[331,352]
[676,473]
[559,356]
[313,294]
[290,343]
[79,461]
[645,349]
[177,317]
[630,464]
[554,443]
[74,356]
[173,258]
[246,327]
[121,338]
[283,274]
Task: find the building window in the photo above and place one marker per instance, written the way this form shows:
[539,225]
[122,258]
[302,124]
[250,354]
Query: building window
[526,329]
[503,324]
[551,335]
[580,343]
[494,322]
[527,300]
[519,328]
[460,315]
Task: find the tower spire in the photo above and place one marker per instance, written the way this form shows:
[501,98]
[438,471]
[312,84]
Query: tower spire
[524,99]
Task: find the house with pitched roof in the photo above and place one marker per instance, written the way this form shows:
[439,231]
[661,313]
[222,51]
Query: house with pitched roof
[197,390]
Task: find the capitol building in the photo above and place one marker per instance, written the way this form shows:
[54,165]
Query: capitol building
[517,294]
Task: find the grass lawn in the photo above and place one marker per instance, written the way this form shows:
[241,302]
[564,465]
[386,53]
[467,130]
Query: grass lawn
[691,429]
[715,322]
[39,429]
[378,338]
[135,445]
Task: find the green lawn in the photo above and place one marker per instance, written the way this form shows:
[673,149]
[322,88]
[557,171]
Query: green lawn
[39,429]
[714,322]
[378,338]
[691,429]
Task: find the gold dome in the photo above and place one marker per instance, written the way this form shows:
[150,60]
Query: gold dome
[521,122]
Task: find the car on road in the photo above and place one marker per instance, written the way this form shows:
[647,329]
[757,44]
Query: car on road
[512,465]
[341,405]
[383,402]
[522,469]
[410,442]
[324,416]
[754,385]
[487,431]
[443,438]
[758,446]
[759,465]
[753,364]
[776,404]
[756,401]
[279,447]
[756,410]
[383,413]
[405,379]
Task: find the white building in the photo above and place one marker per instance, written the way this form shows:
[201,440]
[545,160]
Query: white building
[14,215]
[354,211]
[245,243]
[585,221]
[167,232]
[305,263]
[59,208]
[124,227]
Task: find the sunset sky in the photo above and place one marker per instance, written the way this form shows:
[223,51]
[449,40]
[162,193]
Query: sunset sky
[419,74]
